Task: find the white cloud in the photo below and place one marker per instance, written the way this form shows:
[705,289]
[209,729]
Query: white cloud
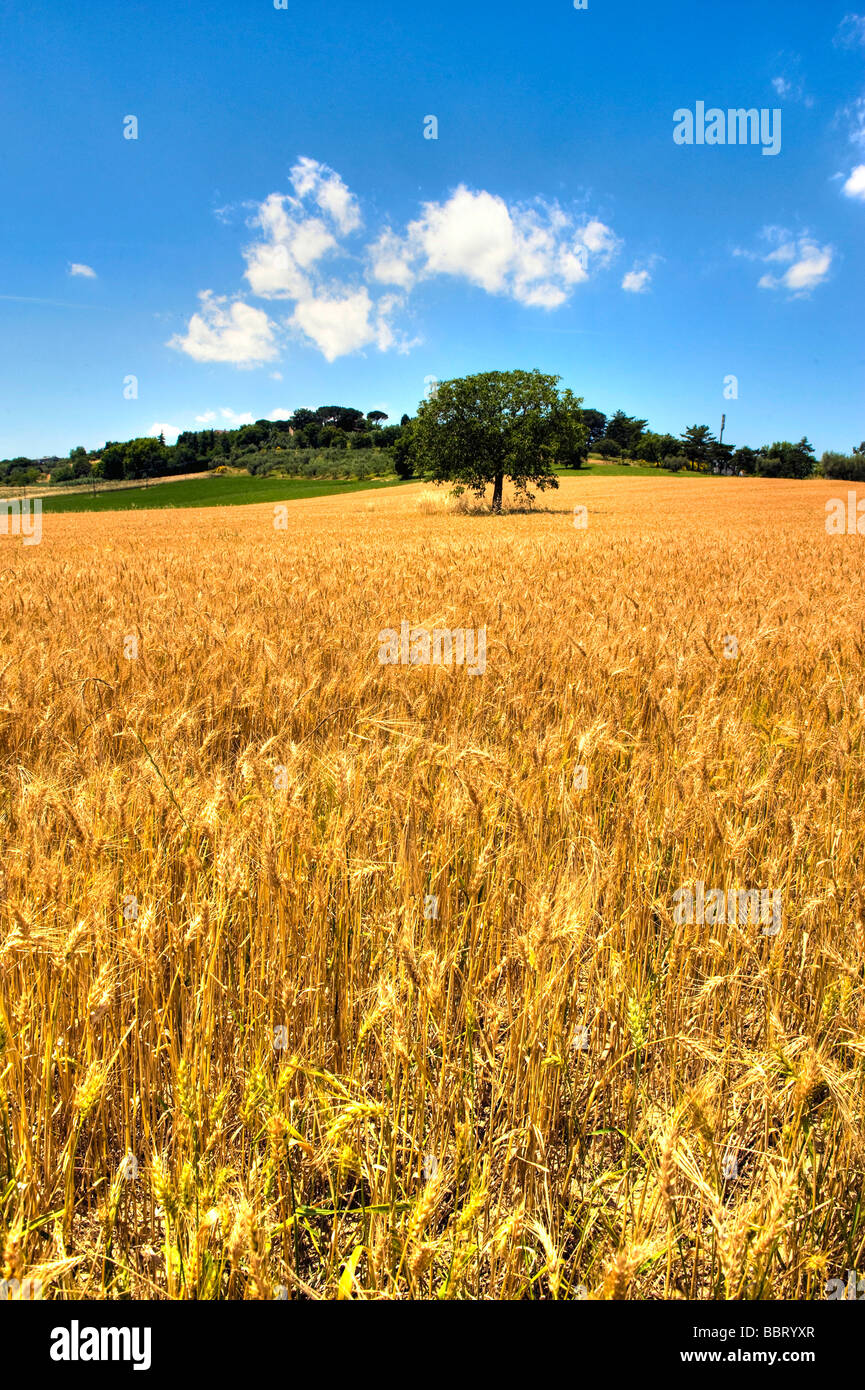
[239,334]
[338,315]
[277,268]
[310,241]
[234,419]
[326,188]
[275,376]
[273,273]
[808,263]
[786,252]
[282,412]
[225,412]
[337,324]
[75,268]
[534,253]
[851,31]
[471,235]
[390,260]
[855,185]
[789,85]
[599,239]
[637,281]
[792,90]
[810,270]
[170,431]
[854,114]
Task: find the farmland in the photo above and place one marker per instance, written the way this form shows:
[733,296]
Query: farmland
[327,978]
[240,489]
[234,490]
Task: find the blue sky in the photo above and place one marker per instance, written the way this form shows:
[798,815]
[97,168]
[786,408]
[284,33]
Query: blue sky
[282,234]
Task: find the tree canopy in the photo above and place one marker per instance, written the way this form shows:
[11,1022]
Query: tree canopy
[475,431]
[625,430]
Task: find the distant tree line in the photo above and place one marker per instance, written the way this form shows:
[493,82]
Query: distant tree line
[259,448]
[627,438]
[329,439]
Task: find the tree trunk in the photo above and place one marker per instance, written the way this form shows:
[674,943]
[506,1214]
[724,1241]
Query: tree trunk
[497,492]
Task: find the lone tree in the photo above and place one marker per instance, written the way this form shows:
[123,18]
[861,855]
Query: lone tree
[481,429]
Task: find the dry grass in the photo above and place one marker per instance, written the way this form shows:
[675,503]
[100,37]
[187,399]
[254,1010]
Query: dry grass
[560,1170]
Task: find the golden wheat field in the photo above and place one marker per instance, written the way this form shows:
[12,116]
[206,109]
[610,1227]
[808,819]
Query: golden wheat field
[243,1058]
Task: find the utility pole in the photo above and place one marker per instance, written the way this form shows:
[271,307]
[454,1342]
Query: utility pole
[721,435]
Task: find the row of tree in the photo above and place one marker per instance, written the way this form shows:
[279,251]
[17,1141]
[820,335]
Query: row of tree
[579,431]
[331,427]
[627,437]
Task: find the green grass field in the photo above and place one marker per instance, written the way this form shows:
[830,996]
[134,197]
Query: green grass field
[625,470]
[238,490]
[234,491]
[636,470]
